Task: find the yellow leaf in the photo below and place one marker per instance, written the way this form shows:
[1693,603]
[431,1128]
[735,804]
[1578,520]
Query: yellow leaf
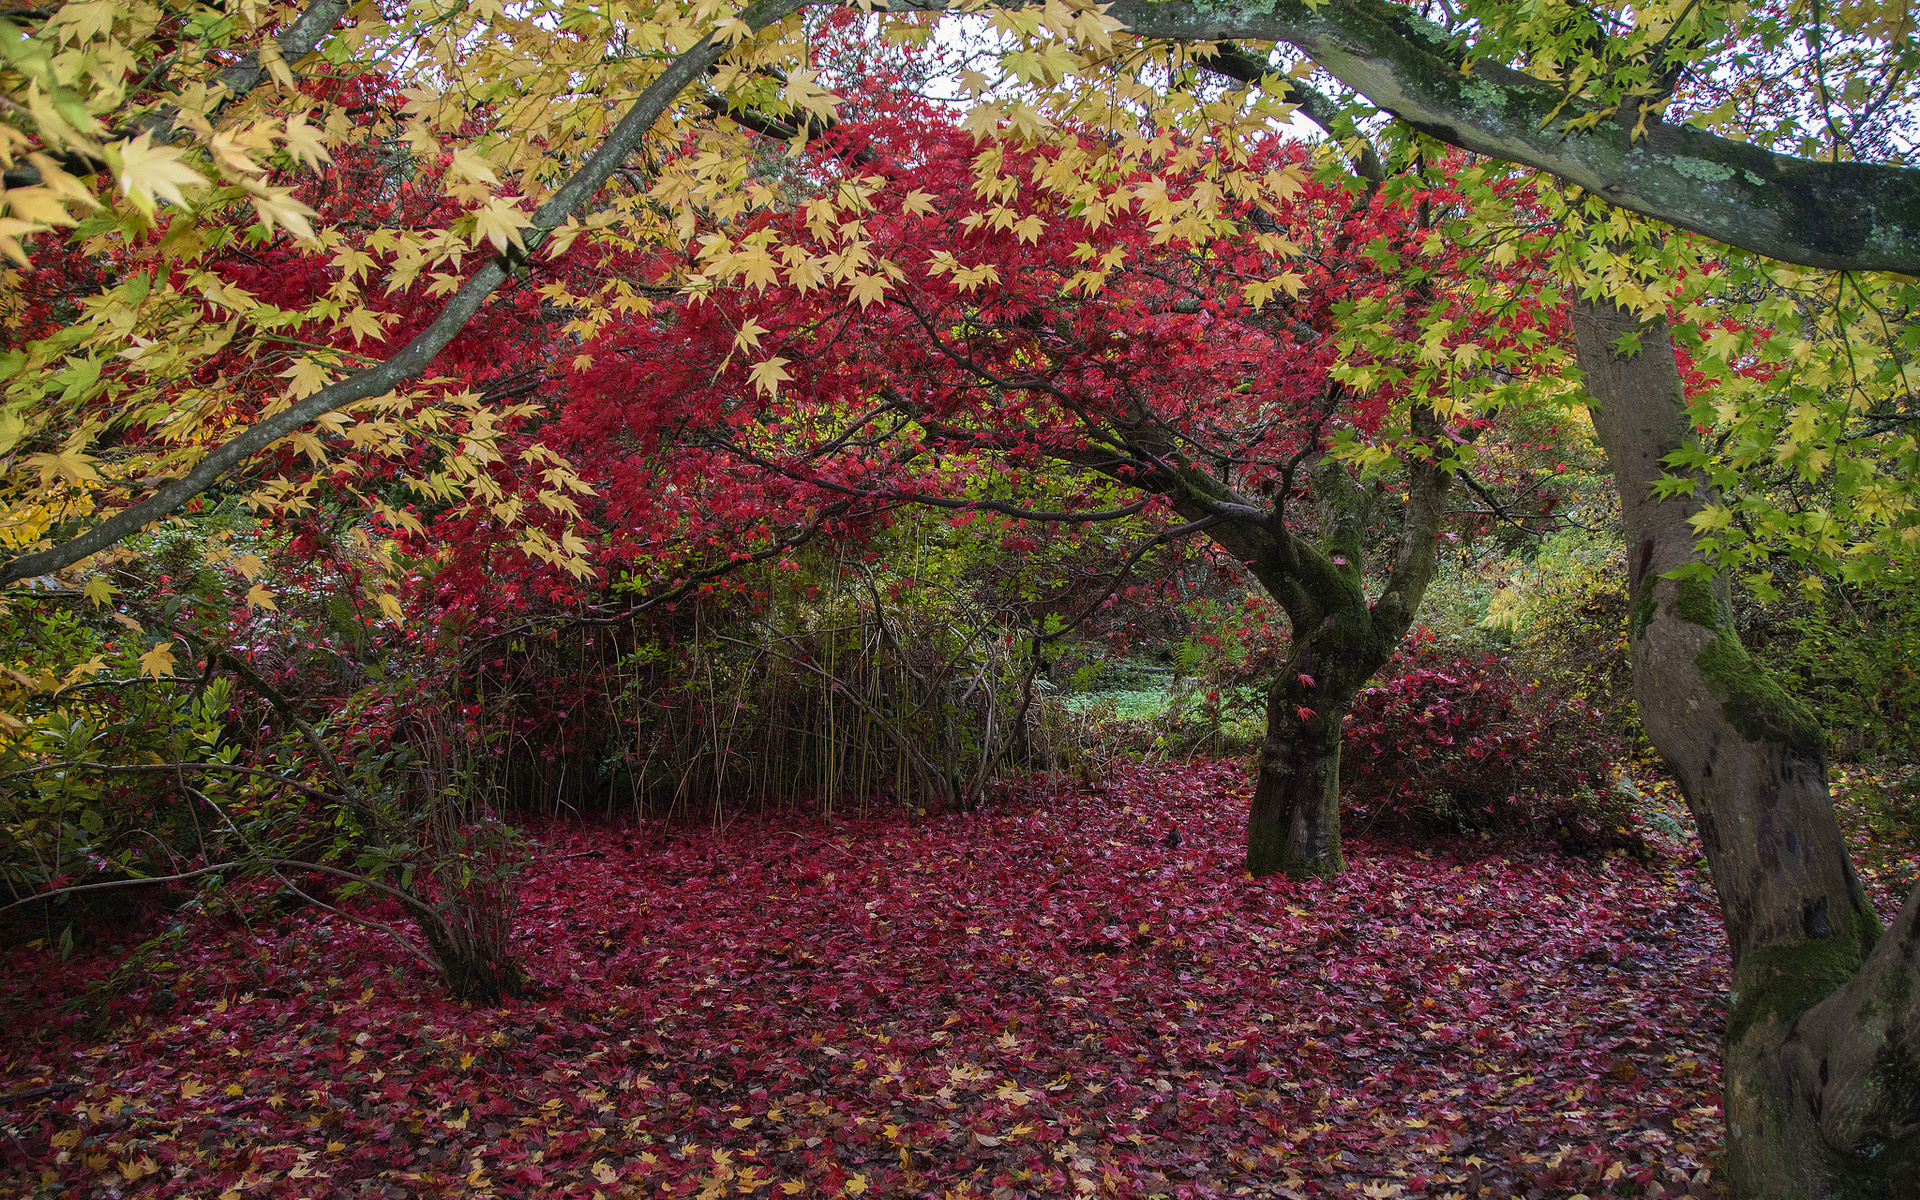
[12,429]
[134,1170]
[364,323]
[276,66]
[158,662]
[191,1088]
[147,171]
[259,597]
[99,591]
[304,143]
[500,222]
[85,670]
[867,288]
[767,377]
[917,202]
[468,164]
[38,204]
[749,336]
[605,1173]
[276,206]
[74,467]
[308,377]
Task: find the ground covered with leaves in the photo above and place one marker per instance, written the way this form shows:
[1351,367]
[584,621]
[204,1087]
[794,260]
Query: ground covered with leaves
[1076,991]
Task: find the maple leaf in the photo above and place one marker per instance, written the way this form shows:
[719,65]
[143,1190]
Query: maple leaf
[305,142]
[469,164]
[748,337]
[278,206]
[72,466]
[500,222]
[767,376]
[158,662]
[42,206]
[867,288]
[147,171]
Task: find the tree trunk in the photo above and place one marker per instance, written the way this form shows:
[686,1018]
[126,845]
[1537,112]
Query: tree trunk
[1294,823]
[1339,641]
[1821,1083]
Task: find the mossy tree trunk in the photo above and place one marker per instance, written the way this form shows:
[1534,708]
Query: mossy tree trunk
[1339,640]
[1340,637]
[1821,1084]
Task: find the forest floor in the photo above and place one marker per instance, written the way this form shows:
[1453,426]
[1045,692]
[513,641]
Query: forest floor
[1045,998]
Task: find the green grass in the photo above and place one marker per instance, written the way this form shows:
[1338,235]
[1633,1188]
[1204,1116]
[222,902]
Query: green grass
[1129,705]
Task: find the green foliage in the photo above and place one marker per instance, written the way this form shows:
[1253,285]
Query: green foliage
[76,695]
[1565,612]
[1849,652]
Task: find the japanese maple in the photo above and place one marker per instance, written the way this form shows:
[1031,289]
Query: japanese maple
[1295,373]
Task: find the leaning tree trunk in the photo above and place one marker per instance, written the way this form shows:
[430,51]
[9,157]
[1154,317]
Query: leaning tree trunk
[1820,1078]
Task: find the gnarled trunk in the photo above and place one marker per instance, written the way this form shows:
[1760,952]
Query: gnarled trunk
[1339,641]
[1821,1085]
[1294,823]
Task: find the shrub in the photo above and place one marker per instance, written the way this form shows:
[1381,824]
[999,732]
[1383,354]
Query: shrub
[1567,612]
[1461,744]
[1849,652]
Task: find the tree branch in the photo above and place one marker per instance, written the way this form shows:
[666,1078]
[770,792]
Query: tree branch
[412,360]
[295,42]
[1839,215]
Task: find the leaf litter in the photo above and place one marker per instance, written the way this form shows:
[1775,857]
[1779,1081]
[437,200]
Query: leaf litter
[1049,997]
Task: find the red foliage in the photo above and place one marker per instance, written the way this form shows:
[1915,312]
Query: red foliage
[1460,742]
[1049,993]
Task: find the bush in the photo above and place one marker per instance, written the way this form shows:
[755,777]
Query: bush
[1849,652]
[1567,611]
[1462,744]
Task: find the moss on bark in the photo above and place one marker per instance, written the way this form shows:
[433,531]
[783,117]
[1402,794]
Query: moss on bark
[1785,981]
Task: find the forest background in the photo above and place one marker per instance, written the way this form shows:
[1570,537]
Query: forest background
[531,485]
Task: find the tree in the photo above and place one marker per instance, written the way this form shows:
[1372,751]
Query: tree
[1819,1062]
[1816,1063]
[1218,362]
[1589,107]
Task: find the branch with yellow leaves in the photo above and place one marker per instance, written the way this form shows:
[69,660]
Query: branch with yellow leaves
[412,360]
[295,42]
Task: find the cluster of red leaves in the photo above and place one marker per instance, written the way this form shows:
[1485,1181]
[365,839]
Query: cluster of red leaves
[1054,997]
[1462,742]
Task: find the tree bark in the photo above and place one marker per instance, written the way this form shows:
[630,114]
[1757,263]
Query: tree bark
[1820,1079]
[1293,825]
[1847,216]
[1339,640]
